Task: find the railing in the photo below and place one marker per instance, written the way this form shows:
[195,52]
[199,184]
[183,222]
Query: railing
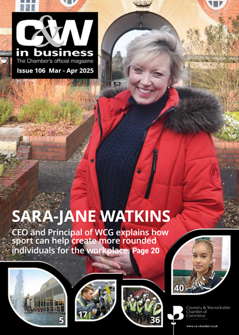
[188,273]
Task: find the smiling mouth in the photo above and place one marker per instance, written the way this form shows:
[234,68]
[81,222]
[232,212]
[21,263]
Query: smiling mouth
[144,91]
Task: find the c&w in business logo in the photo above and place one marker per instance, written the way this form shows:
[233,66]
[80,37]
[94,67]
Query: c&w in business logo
[53,38]
[64,46]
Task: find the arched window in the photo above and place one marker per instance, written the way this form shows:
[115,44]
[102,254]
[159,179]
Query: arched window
[216,4]
[69,3]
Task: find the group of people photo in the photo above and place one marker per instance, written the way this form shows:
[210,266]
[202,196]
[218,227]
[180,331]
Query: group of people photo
[143,309]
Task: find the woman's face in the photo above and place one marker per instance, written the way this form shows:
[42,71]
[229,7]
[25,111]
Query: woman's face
[202,258]
[148,81]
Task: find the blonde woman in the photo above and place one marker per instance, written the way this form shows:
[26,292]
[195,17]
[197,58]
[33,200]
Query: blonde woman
[151,151]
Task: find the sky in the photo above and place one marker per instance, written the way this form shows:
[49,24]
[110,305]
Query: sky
[122,42]
[33,279]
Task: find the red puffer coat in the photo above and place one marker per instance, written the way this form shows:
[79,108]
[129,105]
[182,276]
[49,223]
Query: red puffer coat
[184,179]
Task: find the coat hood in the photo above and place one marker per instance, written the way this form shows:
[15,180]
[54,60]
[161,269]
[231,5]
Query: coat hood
[197,110]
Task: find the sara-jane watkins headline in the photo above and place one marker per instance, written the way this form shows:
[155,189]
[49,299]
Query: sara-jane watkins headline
[64,237]
[90,216]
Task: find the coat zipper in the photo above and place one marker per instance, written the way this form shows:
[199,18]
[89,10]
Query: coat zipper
[144,137]
[153,169]
[155,155]
[100,125]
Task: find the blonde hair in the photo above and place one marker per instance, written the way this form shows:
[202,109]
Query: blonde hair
[146,47]
[87,288]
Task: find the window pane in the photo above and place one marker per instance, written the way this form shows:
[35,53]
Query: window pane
[33,8]
[22,1]
[27,8]
[27,1]
[69,2]
[33,1]
[217,4]
[22,8]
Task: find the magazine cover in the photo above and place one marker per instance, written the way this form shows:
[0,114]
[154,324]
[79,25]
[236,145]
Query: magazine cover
[119,153]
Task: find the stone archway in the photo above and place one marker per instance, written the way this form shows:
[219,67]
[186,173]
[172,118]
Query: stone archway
[125,23]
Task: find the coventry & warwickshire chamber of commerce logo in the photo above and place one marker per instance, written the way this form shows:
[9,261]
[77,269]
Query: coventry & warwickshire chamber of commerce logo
[54,45]
[177,315]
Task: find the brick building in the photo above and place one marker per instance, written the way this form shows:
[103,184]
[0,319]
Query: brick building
[116,17]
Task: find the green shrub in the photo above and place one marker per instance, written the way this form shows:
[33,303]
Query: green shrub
[5,86]
[6,110]
[8,162]
[9,165]
[44,111]
[49,113]
[230,130]
[71,113]
[234,115]
[29,113]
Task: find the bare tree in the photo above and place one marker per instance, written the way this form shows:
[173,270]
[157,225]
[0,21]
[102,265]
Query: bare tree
[117,66]
[214,61]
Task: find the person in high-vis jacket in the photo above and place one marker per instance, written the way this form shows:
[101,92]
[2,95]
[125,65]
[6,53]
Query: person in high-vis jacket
[125,307]
[85,304]
[153,302]
[128,305]
[156,314]
[132,307]
[139,311]
[147,310]
[137,299]
[144,299]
